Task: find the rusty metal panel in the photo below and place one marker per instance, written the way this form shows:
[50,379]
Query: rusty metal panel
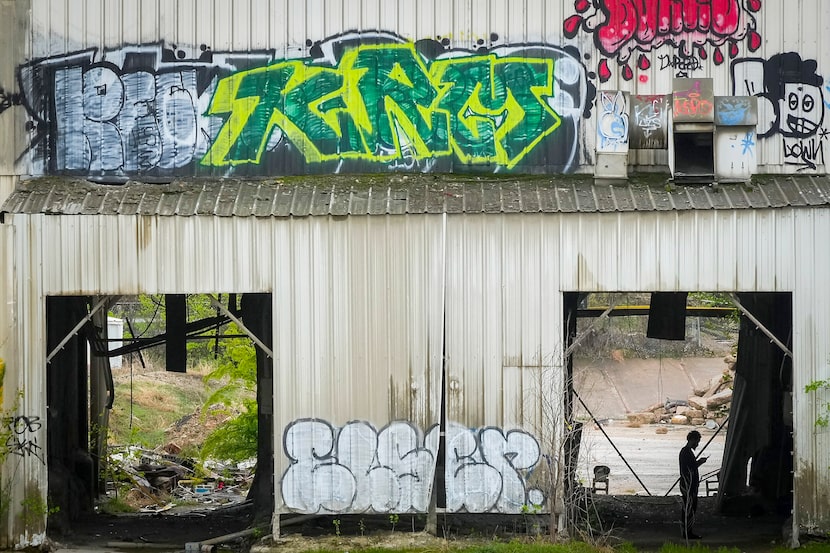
[358,305]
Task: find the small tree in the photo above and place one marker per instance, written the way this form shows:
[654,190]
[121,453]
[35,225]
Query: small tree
[236,440]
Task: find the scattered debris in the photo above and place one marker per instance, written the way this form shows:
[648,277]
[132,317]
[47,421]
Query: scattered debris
[160,480]
[709,406]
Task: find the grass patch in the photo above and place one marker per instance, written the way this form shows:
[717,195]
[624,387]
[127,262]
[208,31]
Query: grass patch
[146,405]
[523,546]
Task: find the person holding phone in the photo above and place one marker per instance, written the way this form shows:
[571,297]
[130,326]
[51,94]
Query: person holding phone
[689,483]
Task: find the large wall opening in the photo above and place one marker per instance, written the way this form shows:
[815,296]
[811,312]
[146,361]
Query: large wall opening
[647,368]
[159,403]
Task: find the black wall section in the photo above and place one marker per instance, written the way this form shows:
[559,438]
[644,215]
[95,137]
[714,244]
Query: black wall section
[760,423]
[258,318]
[573,431]
[667,316]
[71,477]
[176,348]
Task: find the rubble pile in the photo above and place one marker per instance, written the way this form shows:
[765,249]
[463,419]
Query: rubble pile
[158,480]
[711,402]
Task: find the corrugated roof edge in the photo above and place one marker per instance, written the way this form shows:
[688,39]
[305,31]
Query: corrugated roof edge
[393,194]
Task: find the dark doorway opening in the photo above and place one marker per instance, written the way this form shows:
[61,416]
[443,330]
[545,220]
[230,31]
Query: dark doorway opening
[753,476]
[81,392]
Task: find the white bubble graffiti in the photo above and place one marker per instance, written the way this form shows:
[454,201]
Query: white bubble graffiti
[357,469]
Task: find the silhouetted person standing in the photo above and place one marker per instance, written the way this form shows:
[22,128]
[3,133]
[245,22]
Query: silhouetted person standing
[689,482]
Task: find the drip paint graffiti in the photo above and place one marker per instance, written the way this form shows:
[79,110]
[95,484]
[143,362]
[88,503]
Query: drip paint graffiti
[790,94]
[612,122]
[358,469]
[363,101]
[621,27]
[22,438]
[650,122]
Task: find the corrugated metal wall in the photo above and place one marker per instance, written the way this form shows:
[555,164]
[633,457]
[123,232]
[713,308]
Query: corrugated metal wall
[554,57]
[360,307]
[503,362]
[94,75]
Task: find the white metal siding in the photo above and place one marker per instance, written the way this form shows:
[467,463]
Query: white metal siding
[503,361]
[358,305]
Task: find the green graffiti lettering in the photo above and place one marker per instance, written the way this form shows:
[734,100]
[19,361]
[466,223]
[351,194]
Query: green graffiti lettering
[499,105]
[382,103]
[399,101]
[286,95]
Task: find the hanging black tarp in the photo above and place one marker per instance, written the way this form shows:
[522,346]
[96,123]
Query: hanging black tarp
[756,470]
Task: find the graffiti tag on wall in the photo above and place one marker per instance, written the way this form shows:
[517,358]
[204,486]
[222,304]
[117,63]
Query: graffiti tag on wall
[356,468]
[650,121]
[362,101]
[791,101]
[22,437]
[622,27]
[693,100]
[488,470]
[612,121]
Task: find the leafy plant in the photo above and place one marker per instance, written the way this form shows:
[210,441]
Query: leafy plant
[823,417]
[34,509]
[394,518]
[236,440]
[336,523]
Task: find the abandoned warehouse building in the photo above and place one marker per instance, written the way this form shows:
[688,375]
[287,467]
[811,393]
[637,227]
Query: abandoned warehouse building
[412,208]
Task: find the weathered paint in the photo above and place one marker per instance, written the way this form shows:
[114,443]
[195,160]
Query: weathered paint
[148,89]
[502,276]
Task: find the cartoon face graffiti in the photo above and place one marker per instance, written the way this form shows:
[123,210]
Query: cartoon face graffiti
[792,89]
[801,110]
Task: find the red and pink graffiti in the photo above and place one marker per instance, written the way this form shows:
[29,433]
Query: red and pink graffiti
[621,27]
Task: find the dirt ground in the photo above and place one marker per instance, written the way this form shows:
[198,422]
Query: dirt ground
[646,522]
[628,514]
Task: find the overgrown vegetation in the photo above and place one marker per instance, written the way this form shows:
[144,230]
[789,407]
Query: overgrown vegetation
[236,440]
[220,384]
